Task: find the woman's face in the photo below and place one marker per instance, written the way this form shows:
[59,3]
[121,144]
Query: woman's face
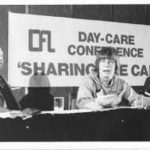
[107,69]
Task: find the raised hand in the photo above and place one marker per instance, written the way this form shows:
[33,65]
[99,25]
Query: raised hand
[120,96]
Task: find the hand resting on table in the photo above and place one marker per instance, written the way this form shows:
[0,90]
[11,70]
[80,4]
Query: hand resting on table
[111,100]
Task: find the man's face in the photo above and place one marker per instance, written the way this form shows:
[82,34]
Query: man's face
[106,69]
[1,58]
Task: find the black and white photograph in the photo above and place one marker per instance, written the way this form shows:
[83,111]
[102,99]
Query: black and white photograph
[76,73]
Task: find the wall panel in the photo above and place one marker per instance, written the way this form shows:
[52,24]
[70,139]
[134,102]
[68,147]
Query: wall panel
[148,14]
[4,9]
[93,12]
[51,10]
[130,14]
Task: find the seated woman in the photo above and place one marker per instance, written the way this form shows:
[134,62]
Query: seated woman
[38,96]
[103,88]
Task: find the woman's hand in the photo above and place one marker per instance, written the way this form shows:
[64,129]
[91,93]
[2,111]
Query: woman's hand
[111,100]
[30,111]
[3,109]
[119,97]
[106,100]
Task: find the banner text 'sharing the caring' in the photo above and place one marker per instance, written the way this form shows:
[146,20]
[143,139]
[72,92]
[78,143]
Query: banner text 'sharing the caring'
[67,54]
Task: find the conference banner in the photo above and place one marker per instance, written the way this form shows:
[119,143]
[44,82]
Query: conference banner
[64,49]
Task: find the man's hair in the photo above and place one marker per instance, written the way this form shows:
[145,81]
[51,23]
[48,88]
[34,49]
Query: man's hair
[107,53]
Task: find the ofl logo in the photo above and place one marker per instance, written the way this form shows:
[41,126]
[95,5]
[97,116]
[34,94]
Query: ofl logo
[39,39]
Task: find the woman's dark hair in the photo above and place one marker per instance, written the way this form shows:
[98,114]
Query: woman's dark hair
[107,53]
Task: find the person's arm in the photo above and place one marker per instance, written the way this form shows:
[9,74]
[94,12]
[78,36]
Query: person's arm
[9,98]
[137,100]
[147,87]
[89,105]
[142,102]
[85,97]
[147,82]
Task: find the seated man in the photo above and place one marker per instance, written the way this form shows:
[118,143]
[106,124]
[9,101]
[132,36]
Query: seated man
[38,96]
[102,88]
